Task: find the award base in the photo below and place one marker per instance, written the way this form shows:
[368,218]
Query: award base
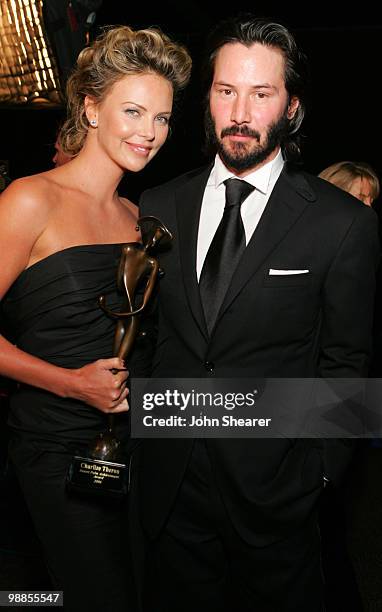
[96,476]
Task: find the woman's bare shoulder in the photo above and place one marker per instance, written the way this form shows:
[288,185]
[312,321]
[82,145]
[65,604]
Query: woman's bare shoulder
[27,203]
[29,191]
[24,214]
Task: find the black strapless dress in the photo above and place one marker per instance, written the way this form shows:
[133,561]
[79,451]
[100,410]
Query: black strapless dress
[52,311]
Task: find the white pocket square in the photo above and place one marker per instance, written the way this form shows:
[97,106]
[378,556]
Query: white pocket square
[273,272]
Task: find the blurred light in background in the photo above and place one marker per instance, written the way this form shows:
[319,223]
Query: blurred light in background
[39,44]
[28,71]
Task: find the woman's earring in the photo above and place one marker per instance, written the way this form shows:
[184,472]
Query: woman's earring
[93,123]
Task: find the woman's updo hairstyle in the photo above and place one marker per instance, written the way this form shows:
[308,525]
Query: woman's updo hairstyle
[116,53]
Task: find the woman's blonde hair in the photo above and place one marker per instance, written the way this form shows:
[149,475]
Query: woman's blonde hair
[118,52]
[344,173]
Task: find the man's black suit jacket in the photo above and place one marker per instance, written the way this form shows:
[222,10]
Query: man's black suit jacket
[308,325]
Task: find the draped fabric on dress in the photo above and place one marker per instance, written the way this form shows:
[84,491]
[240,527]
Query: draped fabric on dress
[52,312]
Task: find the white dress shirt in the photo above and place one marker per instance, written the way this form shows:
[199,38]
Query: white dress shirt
[263,179]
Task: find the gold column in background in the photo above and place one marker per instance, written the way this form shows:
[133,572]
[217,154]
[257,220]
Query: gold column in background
[28,72]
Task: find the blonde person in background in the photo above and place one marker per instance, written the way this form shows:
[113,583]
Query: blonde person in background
[59,158]
[60,241]
[357,178]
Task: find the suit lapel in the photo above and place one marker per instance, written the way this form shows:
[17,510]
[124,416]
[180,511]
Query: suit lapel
[189,199]
[289,199]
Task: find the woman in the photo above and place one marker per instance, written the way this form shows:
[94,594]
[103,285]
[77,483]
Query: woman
[60,239]
[357,178]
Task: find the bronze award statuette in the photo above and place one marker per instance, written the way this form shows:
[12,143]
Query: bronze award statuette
[103,468]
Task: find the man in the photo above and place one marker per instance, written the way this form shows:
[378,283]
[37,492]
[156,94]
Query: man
[272,278]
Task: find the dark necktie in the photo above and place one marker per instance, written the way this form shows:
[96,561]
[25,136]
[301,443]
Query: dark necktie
[225,251]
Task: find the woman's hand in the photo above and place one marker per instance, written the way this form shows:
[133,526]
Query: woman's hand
[98,386]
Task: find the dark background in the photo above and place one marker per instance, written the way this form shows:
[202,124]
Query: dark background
[344,115]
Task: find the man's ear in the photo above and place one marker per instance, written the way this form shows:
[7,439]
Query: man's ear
[91,110]
[293,105]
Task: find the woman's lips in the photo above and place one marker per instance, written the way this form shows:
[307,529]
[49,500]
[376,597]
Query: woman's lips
[139,149]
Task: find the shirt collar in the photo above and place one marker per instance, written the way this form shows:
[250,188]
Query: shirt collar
[261,178]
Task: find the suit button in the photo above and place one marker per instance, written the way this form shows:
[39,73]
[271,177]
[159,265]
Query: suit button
[209,366]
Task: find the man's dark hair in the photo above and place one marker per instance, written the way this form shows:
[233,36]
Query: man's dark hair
[247,30]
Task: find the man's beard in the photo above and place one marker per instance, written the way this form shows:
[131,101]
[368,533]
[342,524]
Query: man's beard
[243,157]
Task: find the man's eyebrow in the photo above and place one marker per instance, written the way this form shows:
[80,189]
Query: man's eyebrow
[256,86]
